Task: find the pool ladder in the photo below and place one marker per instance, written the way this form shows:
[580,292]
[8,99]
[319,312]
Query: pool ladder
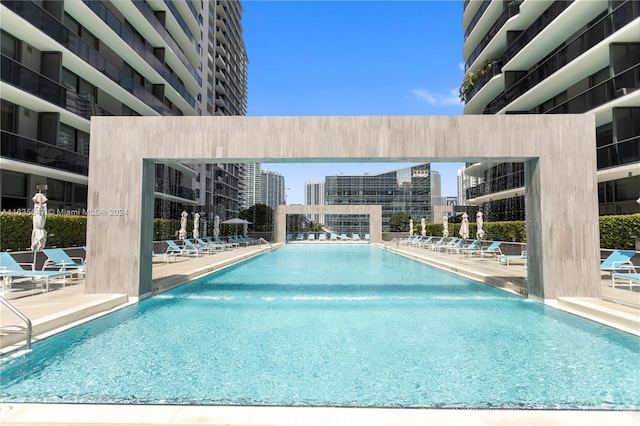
[28,330]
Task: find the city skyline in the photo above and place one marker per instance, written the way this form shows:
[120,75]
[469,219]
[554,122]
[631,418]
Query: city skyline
[299,68]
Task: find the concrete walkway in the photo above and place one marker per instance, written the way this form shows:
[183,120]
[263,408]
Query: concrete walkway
[66,307]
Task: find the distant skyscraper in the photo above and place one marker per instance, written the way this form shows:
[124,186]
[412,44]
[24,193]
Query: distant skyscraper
[252,183]
[436,189]
[314,196]
[272,188]
[466,184]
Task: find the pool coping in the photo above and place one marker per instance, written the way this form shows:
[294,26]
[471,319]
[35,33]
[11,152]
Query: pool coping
[88,414]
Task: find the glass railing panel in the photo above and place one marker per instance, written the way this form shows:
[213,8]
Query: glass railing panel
[599,31]
[43,154]
[127,35]
[476,17]
[144,9]
[183,25]
[496,69]
[511,10]
[29,81]
[535,28]
[621,153]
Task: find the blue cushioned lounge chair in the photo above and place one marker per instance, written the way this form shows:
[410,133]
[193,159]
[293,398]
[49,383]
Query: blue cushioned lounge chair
[322,237]
[311,237]
[356,237]
[333,237]
[628,279]
[10,268]
[508,258]
[367,237]
[58,259]
[618,260]
[172,247]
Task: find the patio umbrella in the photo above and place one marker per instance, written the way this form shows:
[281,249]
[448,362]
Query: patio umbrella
[480,232]
[39,234]
[216,227]
[445,226]
[410,227]
[464,226]
[182,234]
[196,225]
[423,225]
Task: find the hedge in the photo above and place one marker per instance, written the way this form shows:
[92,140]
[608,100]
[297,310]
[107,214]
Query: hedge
[616,232]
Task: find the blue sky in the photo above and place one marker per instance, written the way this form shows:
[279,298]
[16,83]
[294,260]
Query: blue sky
[353,58]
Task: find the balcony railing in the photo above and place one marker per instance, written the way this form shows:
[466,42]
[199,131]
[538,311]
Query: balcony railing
[43,154]
[149,14]
[547,17]
[46,89]
[476,17]
[49,25]
[176,190]
[136,44]
[496,69]
[624,152]
[180,20]
[593,35]
[511,10]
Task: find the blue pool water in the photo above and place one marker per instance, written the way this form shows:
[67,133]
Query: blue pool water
[339,326]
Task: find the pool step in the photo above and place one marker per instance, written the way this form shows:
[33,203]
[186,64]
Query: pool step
[8,337]
[625,318]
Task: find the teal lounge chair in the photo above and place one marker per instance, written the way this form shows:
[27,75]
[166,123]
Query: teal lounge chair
[344,237]
[424,242]
[619,260]
[333,237]
[219,244]
[493,248]
[58,259]
[311,237]
[322,237]
[172,247]
[474,245]
[632,279]
[10,268]
[300,237]
[230,243]
[207,246]
[356,237]
[451,243]
[455,247]
[508,258]
[437,244]
[367,237]
[193,248]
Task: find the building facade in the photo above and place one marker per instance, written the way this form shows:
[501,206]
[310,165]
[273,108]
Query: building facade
[65,61]
[272,189]
[403,190]
[314,196]
[556,57]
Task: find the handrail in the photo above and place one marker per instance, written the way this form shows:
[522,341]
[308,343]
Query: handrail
[23,317]
[263,241]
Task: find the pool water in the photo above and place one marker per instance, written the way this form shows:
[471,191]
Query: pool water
[329,325]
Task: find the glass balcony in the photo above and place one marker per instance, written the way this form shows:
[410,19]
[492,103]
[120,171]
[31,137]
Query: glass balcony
[180,20]
[547,17]
[511,10]
[43,154]
[46,23]
[176,190]
[599,31]
[496,69]
[149,14]
[476,17]
[127,35]
[46,89]
[618,154]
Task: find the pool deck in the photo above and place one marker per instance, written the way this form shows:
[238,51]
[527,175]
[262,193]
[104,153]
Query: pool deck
[66,307]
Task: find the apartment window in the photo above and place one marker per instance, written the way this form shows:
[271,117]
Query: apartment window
[9,45]
[79,85]
[9,117]
[76,27]
[67,137]
[82,142]
[627,123]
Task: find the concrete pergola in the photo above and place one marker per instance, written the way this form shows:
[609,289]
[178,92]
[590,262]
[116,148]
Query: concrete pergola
[558,152]
[374,212]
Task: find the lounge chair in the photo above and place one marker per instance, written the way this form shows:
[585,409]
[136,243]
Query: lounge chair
[356,237]
[618,260]
[311,237]
[219,244]
[408,241]
[229,243]
[57,258]
[10,268]
[473,245]
[322,237]
[333,237]
[424,242]
[417,240]
[238,241]
[195,249]
[632,279]
[172,247]
[207,246]
[455,247]
[300,237]
[344,237]
[451,243]
[367,237]
[289,237]
[437,244]
[508,258]
[493,248]
[165,256]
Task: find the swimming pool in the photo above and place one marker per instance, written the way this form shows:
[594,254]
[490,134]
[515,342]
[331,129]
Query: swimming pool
[334,325]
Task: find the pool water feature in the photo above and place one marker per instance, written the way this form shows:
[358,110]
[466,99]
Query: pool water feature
[334,325]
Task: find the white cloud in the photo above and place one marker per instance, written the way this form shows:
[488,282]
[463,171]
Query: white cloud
[461,66]
[446,99]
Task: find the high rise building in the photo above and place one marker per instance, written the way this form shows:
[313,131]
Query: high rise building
[314,196]
[403,190]
[436,189]
[272,188]
[557,57]
[65,61]
[468,186]
[252,183]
